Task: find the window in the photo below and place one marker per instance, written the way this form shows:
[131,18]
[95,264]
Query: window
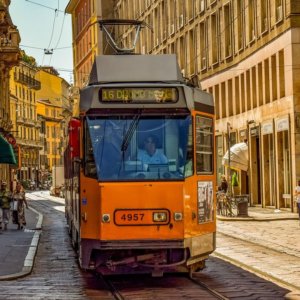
[203,46]
[214,38]
[204,145]
[158,148]
[227,31]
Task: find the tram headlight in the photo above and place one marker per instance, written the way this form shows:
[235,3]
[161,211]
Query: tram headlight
[178,216]
[160,217]
[106,218]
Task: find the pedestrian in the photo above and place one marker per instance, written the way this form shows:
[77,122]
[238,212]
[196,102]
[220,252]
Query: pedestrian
[20,203]
[235,184]
[297,197]
[5,199]
[223,187]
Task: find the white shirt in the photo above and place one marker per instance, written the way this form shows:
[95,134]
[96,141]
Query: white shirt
[156,158]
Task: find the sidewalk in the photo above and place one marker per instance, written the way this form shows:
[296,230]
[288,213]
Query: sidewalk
[262,214]
[18,247]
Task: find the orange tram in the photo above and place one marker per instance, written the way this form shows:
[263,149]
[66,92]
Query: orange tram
[129,211]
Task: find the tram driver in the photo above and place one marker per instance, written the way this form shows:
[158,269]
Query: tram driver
[150,154]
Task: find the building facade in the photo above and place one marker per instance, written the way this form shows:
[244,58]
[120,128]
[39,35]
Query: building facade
[54,110]
[23,88]
[9,56]
[244,52]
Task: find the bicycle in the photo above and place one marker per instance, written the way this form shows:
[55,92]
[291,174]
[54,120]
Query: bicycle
[224,205]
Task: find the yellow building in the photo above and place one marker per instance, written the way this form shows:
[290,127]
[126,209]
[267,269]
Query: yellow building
[23,89]
[54,109]
[9,56]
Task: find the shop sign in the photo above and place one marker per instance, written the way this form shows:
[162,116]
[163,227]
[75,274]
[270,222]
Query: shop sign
[267,128]
[254,131]
[243,133]
[282,124]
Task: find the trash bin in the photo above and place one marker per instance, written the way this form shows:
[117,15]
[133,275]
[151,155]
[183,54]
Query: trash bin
[242,205]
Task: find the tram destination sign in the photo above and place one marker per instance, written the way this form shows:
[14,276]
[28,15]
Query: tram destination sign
[138,95]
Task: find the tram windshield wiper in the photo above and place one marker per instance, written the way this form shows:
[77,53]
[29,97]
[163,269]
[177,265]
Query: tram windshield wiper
[128,135]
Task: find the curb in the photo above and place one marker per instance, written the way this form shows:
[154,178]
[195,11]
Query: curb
[29,259]
[258,219]
[294,289]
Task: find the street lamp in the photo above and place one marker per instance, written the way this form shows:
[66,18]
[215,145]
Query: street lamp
[228,147]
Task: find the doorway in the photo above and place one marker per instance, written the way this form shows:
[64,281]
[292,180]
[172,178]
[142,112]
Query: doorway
[284,169]
[255,185]
[268,169]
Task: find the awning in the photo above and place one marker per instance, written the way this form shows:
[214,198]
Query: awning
[7,155]
[238,157]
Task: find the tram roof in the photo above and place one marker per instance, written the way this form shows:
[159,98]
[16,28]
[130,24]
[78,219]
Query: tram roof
[135,68]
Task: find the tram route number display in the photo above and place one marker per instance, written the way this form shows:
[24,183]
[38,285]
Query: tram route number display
[138,95]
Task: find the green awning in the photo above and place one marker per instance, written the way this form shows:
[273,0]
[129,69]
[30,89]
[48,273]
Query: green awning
[7,155]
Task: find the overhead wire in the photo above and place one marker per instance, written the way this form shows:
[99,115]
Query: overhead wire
[60,34]
[56,11]
[45,6]
[53,26]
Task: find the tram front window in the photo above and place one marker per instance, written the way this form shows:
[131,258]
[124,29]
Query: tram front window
[140,148]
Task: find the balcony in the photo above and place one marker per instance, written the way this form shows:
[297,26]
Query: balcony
[38,124]
[27,80]
[9,47]
[29,122]
[20,120]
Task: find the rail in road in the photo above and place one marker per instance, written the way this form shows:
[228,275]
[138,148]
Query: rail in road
[56,274]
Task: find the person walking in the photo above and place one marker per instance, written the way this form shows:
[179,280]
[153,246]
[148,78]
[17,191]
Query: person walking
[5,199]
[223,187]
[21,203]
[235,184]
[297,197]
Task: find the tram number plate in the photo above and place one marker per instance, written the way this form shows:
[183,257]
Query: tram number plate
[125,217]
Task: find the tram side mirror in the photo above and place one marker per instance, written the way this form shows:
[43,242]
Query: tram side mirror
[74,138]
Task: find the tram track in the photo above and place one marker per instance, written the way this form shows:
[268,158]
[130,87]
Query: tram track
[219,280]
[145,287]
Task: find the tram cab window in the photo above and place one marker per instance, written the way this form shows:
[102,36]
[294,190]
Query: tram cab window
[120,151]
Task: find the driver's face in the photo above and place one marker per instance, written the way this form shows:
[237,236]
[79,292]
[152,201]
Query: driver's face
[150,145]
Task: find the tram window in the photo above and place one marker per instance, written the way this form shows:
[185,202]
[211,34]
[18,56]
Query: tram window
[122,161]
[204,145]
[89,161]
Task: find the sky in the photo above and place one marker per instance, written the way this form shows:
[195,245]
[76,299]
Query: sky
[42,24]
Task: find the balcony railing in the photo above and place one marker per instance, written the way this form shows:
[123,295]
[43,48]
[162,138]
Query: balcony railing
[20,120]
[29,81]
[29,122]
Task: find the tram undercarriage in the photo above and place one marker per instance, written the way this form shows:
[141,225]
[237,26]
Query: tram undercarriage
[125,257]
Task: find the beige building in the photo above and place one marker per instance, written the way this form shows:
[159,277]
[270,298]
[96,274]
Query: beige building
[244,52]
[9,56]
